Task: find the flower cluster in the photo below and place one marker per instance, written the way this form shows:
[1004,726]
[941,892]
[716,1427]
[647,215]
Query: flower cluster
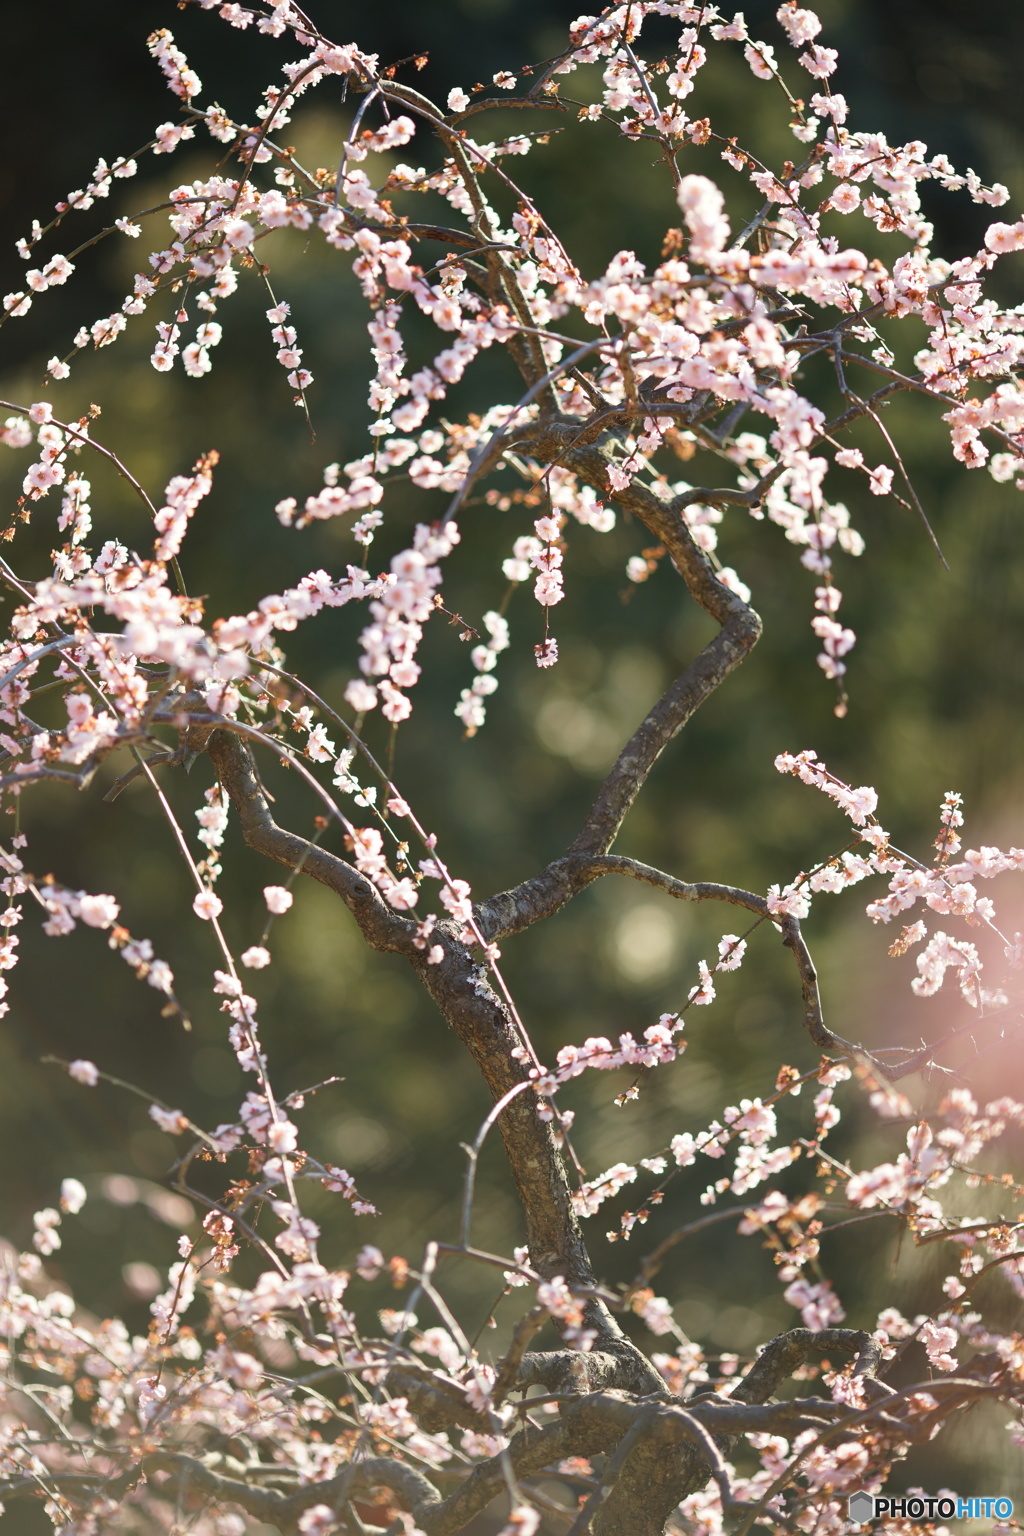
[701,324]
[471,709]
[947,888]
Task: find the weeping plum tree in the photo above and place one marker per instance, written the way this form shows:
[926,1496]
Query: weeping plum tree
[622,374]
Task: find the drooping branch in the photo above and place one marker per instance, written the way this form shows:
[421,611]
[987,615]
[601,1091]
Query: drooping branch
[484,1024]
[740,628]
[382,927]
[587,857]
[526,351]
[461,990]
[544,894]
[793,939]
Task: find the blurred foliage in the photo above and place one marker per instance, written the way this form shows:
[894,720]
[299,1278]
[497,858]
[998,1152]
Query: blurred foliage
[935,686]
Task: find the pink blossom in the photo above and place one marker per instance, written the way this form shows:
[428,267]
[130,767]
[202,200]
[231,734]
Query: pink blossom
[801,25]
[16,432]
[761,58]
[702,203]
[755,1120]
[1002,238]
[939,1342]
[845,199]
[369,1262]
[819,1305]
[319,745]
[704,992]
[277,898]
[788,902]
[360,695]
[72,1195]
[84,1072]
[318,1520]
[170,1120]
[98,911]
[46,1238]
[455,897]
[282,1136]
[731,949]
[819,62]
[207,905]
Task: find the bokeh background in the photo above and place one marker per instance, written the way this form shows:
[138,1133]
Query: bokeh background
[935,682]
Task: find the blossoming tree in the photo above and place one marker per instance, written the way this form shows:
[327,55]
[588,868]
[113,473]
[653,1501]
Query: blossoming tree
[708,359]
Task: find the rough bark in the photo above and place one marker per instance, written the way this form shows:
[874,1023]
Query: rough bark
[482,1021]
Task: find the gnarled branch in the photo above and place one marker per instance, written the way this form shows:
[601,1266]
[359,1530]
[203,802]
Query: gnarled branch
[382,927]
[484,1024]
